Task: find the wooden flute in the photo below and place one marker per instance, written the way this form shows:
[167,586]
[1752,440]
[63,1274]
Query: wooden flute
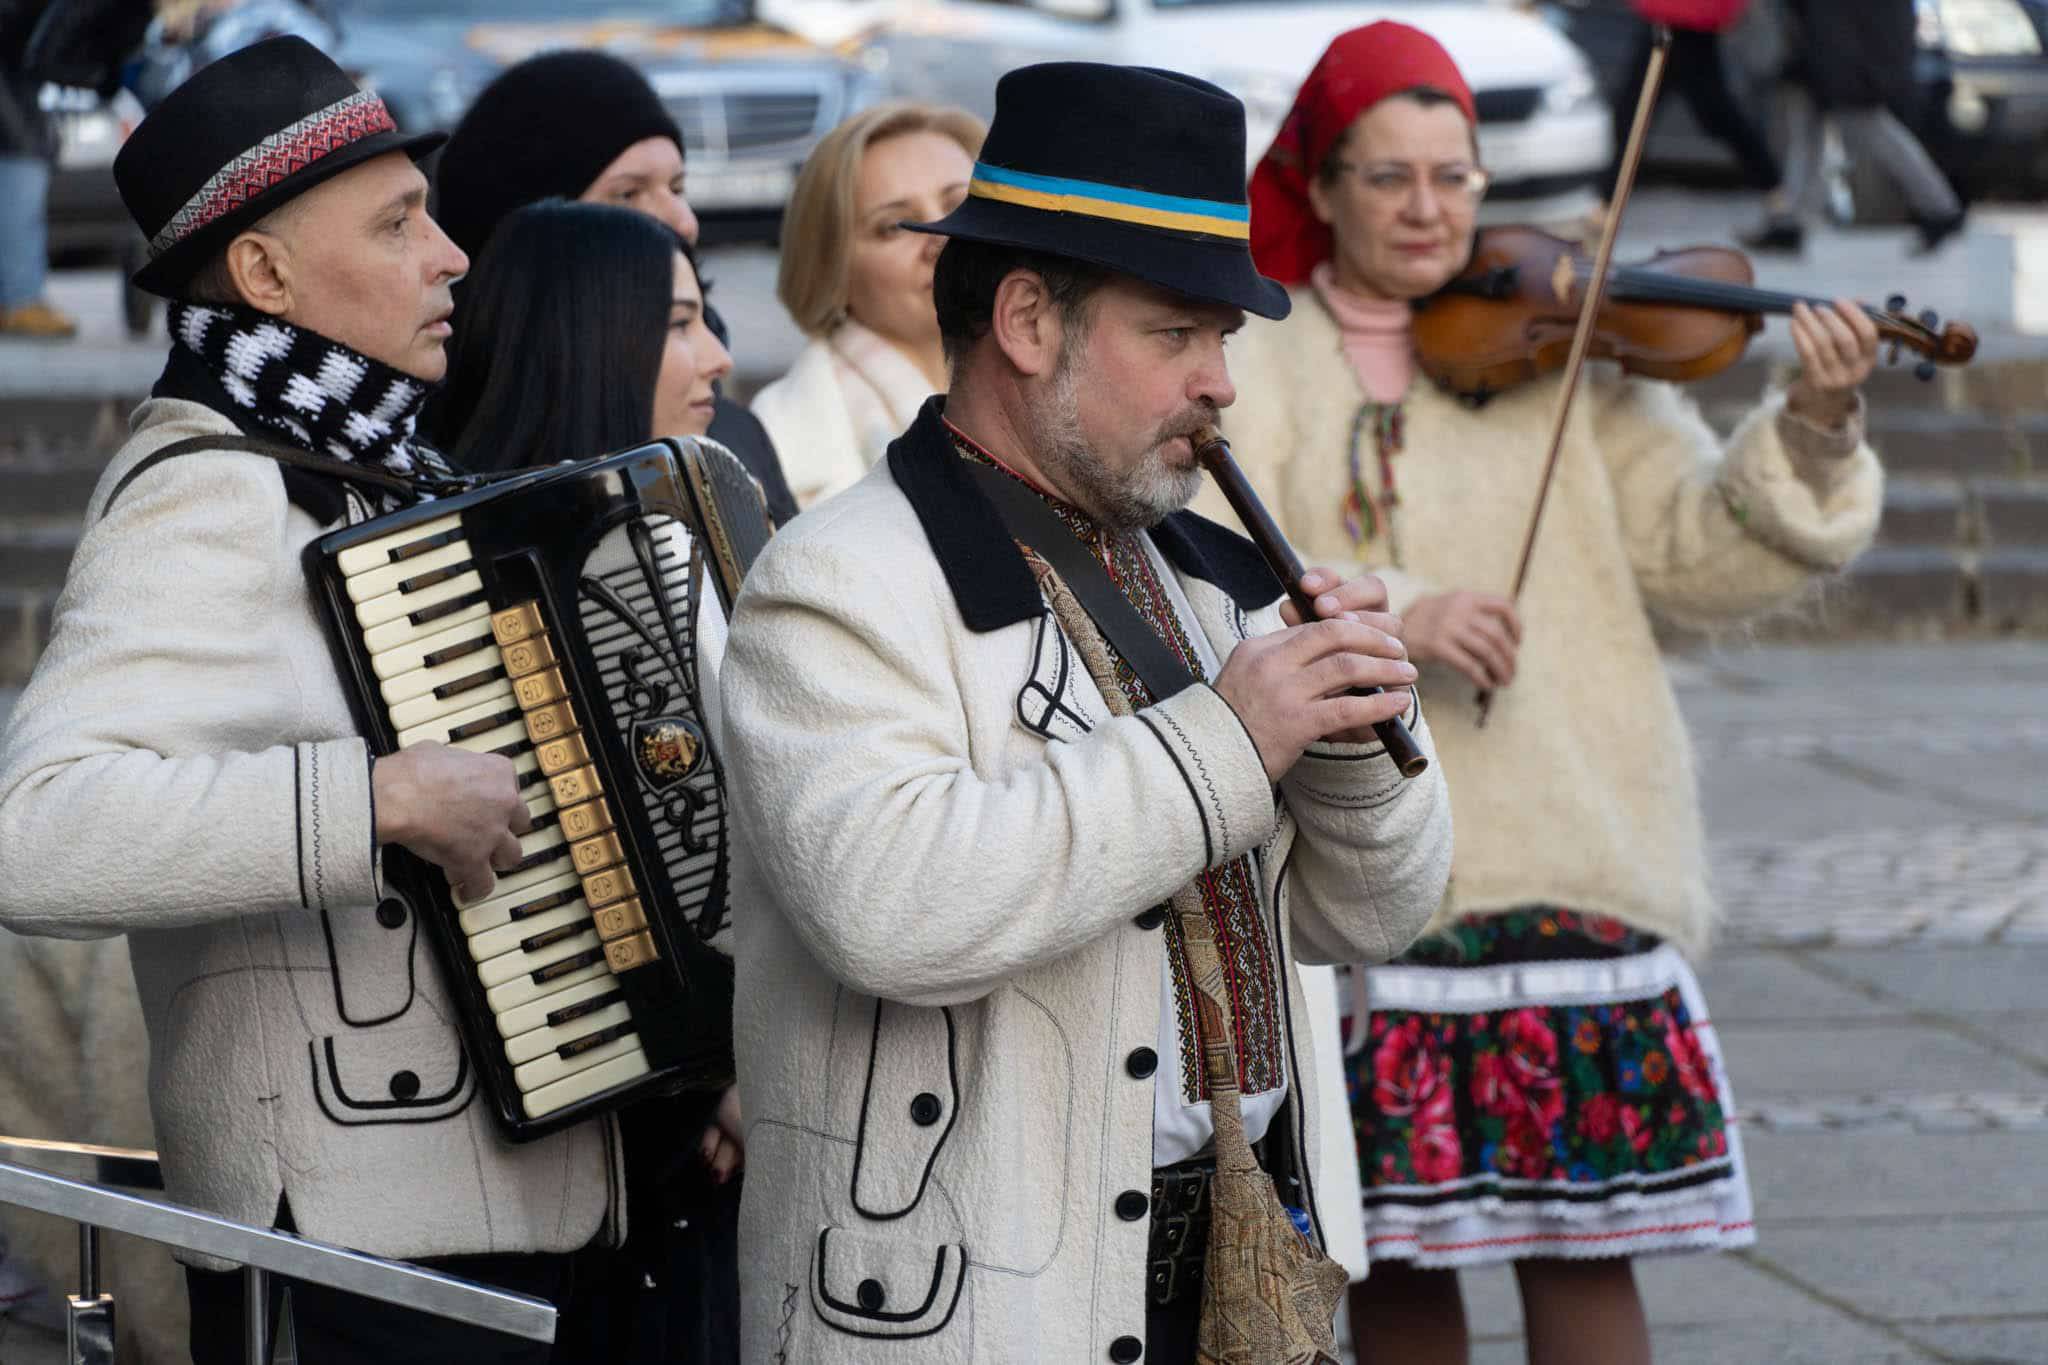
[1213,453]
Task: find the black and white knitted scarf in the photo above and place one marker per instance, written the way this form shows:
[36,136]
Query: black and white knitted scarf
[316,393]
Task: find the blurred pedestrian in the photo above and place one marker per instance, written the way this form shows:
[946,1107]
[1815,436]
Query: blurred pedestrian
[27,146]
[860,287]
[1535,1083]
[1697,73]
[1854,70]
[585,332]
[582,125]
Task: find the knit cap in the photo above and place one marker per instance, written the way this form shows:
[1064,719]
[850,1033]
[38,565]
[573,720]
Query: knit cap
[544,128]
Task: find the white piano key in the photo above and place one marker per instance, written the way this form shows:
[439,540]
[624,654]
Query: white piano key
[539,1042]
[441,727]
[393,577]
[396,663]
[506,937]
[372,553]
[398,632]
[420,710]
[528,1017]
[519,963]
[396,606]
[550,1067]
[497,910]
[584,1084]
[475,670]
[524,990]
[519,881]
[539,800]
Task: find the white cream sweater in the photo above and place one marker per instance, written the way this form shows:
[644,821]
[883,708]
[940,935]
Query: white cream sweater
[1581,789]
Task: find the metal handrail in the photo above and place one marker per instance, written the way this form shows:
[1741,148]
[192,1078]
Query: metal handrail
[260,1251]
[129,1167]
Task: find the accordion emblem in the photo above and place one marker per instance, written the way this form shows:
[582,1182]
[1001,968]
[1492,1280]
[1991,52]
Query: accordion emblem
[551,617]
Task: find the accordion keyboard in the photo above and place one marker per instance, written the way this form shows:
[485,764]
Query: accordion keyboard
[549,937]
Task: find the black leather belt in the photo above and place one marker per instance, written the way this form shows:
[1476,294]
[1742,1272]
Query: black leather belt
[1180,1230]
[1179,1244]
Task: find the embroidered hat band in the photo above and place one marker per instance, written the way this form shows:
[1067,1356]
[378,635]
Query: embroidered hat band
[264,166]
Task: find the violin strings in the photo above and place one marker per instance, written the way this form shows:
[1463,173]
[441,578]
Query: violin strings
[1649,286]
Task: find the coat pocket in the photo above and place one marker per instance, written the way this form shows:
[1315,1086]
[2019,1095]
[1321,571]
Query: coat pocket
[908,1108]
[391,1075]
[886,1287]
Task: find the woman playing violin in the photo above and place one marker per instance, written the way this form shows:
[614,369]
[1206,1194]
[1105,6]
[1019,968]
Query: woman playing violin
[1569,1116]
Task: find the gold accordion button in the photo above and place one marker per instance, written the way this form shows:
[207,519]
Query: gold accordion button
[550,722]
[529,656]
[514,624]
[539,689]
[617,921]
[592,855]
[560,755]
[612,884]
[582,822]
[636,950]
[570,788]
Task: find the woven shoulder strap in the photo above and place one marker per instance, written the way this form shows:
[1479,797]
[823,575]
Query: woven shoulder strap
[289,456]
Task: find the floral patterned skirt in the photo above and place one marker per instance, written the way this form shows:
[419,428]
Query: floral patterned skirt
[1541,1083]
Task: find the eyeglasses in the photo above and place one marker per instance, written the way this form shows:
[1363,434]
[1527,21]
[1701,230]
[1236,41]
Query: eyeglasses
[1395,185]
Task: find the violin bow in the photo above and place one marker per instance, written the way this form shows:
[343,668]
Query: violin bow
[1589,309]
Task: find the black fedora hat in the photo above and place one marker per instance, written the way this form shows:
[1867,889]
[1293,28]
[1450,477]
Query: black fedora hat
[242,136]
[1128,167]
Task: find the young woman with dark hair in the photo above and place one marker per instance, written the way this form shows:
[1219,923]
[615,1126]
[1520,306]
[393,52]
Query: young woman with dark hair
[583,332]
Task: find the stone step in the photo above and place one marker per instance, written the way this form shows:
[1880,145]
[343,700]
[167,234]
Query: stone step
[63,430]
[1895,590]
[46,492]
[1928,512]
[1959,444]
[2011,512]
[36,556]
[24,630]
[2012,589]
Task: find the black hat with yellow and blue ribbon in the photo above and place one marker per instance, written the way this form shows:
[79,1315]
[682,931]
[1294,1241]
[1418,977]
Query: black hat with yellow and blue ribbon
[1128,167]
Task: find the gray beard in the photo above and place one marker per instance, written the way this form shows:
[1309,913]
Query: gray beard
[1135,499]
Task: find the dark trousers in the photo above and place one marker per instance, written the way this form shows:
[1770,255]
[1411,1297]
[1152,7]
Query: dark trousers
[671,1294]
[1698,73]
[333,1328]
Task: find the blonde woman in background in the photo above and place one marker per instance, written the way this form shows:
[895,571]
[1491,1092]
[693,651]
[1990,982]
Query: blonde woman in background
[861,289]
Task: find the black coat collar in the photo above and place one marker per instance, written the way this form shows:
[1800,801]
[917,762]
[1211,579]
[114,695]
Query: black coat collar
[991,583]
[186,377]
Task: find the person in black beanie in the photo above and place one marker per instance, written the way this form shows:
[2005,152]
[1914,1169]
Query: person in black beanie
[583,125]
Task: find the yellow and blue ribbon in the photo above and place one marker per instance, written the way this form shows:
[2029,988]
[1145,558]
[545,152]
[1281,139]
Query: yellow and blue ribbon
[1059,194]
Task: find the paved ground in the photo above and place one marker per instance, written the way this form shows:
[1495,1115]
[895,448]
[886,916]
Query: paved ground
[1880,834]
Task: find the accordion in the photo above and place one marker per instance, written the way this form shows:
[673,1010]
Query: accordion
[551,616]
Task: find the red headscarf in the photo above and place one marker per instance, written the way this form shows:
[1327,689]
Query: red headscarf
[1357,71]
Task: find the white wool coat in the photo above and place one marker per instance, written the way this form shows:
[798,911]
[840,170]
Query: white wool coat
[1581,789]
[183,768]
[833,415]
[945,837]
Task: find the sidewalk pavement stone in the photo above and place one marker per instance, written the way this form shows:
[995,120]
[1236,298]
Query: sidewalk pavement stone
[1954,980]
[1923,1267]
[2015,1341]
[1802,1062]
[1744,986]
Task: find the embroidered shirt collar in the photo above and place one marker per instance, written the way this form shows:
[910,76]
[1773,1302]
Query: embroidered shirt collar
[992,585]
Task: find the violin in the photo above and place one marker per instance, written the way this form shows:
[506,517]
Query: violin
[1681,315]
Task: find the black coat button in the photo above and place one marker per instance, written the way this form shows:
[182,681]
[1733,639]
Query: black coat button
[1132,1205]
[870,1295]
[1124,1350]
[1142,1062]
[925,1109]
[1150,919]
[391,913]
[404,1086]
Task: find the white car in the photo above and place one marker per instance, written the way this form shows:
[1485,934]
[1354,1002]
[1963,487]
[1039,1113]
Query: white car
[1544,128]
